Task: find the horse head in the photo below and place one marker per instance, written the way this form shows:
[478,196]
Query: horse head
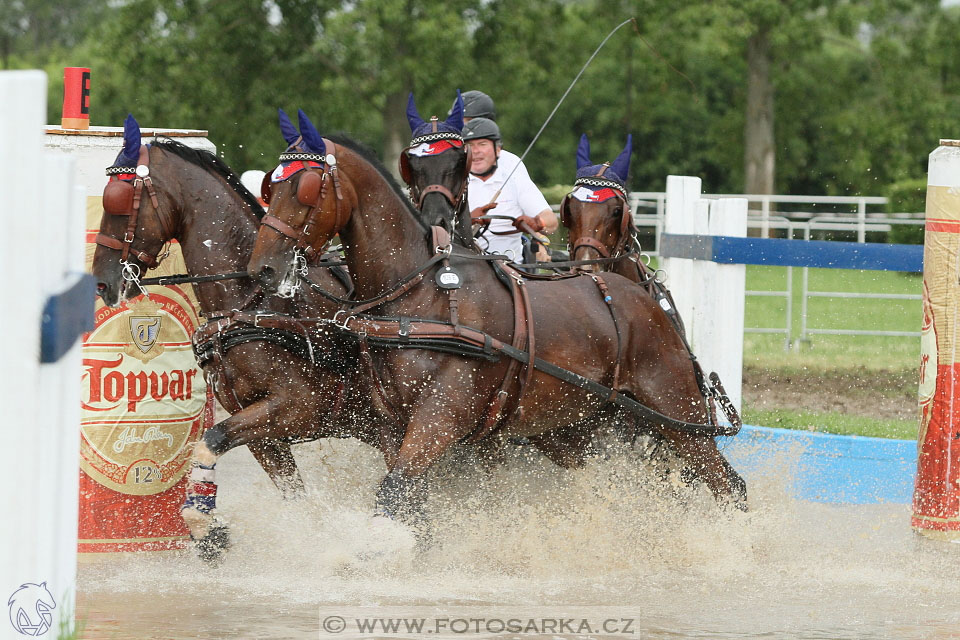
[138,219]
[435,166]
[309,199]
[597,212]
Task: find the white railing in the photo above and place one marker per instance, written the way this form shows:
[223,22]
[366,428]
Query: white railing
[649,209]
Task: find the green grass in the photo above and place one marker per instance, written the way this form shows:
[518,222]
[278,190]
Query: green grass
[835,313]
[831,355]
[831,422]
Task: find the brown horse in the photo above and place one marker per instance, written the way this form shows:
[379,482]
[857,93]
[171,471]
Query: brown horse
[279,383]
[600,225]
[439,398]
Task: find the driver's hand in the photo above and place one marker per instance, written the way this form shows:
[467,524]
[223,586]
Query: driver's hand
[534,223]
[482,211]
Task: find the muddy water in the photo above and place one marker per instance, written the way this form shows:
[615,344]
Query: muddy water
[607,542]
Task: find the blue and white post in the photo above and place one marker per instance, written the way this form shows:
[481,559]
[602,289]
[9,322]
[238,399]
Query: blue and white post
[709,296]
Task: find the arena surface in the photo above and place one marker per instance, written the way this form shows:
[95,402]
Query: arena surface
[609,541]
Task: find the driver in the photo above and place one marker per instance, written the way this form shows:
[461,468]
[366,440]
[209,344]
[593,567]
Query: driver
[518,197]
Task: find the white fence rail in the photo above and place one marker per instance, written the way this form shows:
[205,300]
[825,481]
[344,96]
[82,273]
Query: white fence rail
[650,209]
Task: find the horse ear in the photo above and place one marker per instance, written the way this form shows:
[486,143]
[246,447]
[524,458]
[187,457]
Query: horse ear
[290,133]
[455,119]
[413,116]
[583,153]
[311,137]
[621,166]
[131,137]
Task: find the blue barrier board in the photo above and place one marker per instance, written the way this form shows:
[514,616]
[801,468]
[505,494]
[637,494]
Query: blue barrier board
[827,468]
[793,253]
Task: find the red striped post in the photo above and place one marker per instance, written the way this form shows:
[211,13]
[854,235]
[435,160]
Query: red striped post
[76,98]
[936,498]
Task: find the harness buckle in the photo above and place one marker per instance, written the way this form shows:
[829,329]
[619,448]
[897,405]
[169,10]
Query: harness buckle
[447,250]
[345,324]
[257,316]
[128,237]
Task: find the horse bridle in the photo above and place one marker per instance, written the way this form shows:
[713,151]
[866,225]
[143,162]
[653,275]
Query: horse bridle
[418,195]
[121,198]
[626,218]
[312,190]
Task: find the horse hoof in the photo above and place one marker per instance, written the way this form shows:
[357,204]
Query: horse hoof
[212,547]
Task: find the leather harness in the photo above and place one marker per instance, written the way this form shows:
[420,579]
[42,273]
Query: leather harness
[452,337]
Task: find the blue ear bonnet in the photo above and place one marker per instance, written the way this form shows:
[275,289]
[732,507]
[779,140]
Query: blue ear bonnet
[130,154]
[609,174]
[616,172]
[422,131]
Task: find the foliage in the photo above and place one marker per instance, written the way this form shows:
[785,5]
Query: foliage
[907,196]
[863,88]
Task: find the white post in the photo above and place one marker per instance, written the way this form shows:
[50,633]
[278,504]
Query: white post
[38,462]
[720,334]
[683,192]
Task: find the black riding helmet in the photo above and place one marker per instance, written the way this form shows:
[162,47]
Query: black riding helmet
[481,128]
[477,104]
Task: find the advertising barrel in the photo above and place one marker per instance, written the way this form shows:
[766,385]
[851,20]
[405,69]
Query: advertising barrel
[144,401]
[936,498]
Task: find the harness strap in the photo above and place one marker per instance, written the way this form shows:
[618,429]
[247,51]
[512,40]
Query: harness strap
[217,375]
[497,407]
[367,359]
[592,243]
[437,188]
[279,225]
[608,300]
[473,342]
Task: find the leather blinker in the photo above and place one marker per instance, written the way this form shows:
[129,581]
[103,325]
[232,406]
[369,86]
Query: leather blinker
[406,173]
[118,197]
[266,188]
[308,189]
[565,211]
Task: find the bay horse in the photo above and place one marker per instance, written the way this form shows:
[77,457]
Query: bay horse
[434,166]
[597,329]
[280,383]
[600,225]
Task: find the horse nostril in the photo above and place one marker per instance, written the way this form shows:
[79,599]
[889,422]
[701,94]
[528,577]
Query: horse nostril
[101,287]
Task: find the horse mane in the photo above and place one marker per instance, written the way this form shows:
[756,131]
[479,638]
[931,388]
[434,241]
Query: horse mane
[370,156]
[207,160]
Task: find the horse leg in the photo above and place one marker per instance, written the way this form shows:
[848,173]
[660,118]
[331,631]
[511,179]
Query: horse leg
[210,535]
[434,425]
[710,467]
[277,460]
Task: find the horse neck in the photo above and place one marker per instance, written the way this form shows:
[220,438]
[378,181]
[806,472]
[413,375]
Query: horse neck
[626,268]
[382,240]
[216,235]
